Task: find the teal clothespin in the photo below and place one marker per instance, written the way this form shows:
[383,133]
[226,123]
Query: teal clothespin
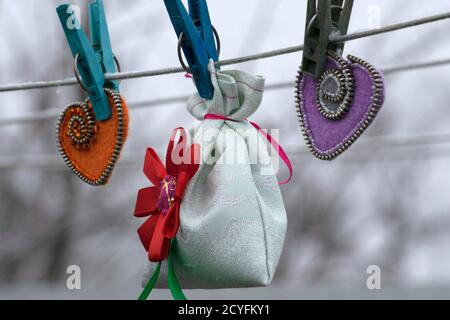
[93,59]
[101,42]
[323,18]
[196,38]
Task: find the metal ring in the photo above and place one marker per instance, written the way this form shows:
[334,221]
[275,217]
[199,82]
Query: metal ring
[77,72]
[314,18]
[180,54]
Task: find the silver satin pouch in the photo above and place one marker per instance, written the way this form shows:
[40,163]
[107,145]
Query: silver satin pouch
[232,219]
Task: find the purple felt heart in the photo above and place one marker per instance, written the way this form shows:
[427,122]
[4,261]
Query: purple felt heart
[336,109]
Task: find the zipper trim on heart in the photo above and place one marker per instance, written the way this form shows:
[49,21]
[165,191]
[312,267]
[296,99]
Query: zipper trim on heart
[120,140]
[345,75]
[377,93]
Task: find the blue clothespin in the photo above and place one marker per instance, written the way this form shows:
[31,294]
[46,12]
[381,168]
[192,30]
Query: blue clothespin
[196,37]
[101,42]
[93,59]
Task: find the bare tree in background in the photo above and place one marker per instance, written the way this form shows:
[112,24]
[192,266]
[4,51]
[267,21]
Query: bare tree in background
[343,216]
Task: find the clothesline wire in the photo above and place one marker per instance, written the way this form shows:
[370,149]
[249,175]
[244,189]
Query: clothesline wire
[53,163]
[439,142]
[51,160]
[49,114]
[258,56]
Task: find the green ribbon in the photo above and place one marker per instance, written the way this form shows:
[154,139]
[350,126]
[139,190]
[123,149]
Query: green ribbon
[151,284]
[174,284]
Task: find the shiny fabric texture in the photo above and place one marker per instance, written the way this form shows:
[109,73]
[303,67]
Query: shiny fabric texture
[232,218]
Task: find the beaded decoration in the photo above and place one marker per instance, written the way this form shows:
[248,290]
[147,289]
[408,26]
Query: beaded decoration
[167,194]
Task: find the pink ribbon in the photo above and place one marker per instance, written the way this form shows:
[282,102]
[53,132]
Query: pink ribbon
[282,154]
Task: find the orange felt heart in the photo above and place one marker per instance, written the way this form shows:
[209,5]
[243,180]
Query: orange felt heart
[91,149]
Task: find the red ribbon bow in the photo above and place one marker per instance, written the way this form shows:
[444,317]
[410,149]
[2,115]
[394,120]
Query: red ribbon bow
[162,201]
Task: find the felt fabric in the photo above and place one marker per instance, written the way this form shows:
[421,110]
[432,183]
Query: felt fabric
[232,219]
[327,136]
[91,163]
